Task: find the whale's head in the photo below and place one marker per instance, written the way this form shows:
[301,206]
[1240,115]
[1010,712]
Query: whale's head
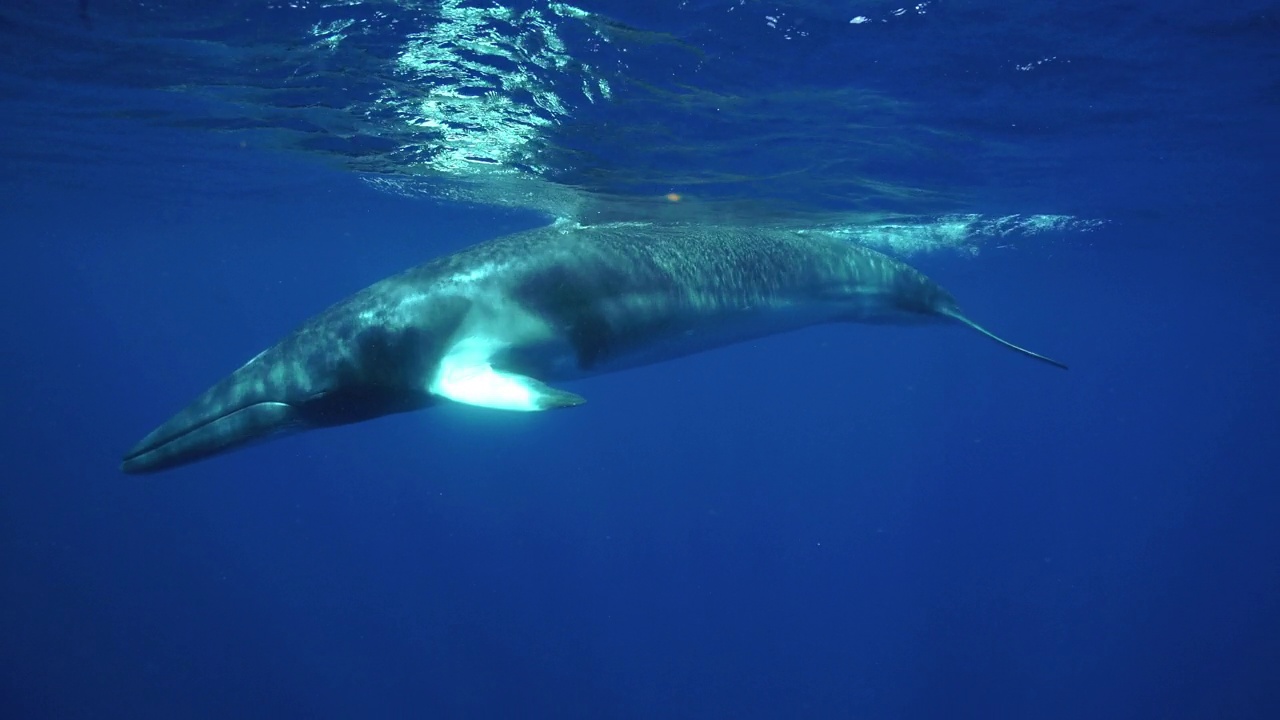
[347,365]
[291,387]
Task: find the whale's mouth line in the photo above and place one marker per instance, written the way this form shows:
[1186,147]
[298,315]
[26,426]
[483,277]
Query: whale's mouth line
[141,450]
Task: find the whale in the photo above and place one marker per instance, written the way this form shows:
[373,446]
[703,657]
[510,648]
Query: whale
[505,323]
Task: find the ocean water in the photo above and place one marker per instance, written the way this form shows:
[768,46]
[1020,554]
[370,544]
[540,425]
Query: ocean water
[844,522]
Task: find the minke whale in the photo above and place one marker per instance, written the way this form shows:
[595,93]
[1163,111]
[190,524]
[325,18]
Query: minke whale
[501,324]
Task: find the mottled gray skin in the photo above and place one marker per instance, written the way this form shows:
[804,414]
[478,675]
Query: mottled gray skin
[565,302]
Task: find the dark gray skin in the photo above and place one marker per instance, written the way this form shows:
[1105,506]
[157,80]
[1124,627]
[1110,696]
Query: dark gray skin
[552,304]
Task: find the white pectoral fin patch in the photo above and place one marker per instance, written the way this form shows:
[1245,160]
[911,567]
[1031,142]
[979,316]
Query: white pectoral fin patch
[471,380]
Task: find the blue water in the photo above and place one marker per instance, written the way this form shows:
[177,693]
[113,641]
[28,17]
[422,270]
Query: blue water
[846,522]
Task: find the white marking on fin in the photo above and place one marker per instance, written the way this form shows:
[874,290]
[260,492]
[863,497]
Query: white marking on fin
[466,376]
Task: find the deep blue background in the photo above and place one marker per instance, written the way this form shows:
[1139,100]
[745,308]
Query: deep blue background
[845,522]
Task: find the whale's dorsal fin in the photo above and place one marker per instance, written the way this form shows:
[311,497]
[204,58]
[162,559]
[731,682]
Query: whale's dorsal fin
[465,375]
[955,314]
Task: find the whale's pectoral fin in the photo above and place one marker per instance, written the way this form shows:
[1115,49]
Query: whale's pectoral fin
[484,386]
[472,381]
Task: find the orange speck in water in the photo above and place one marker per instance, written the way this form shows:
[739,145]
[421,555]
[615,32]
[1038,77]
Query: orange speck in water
[673,197]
